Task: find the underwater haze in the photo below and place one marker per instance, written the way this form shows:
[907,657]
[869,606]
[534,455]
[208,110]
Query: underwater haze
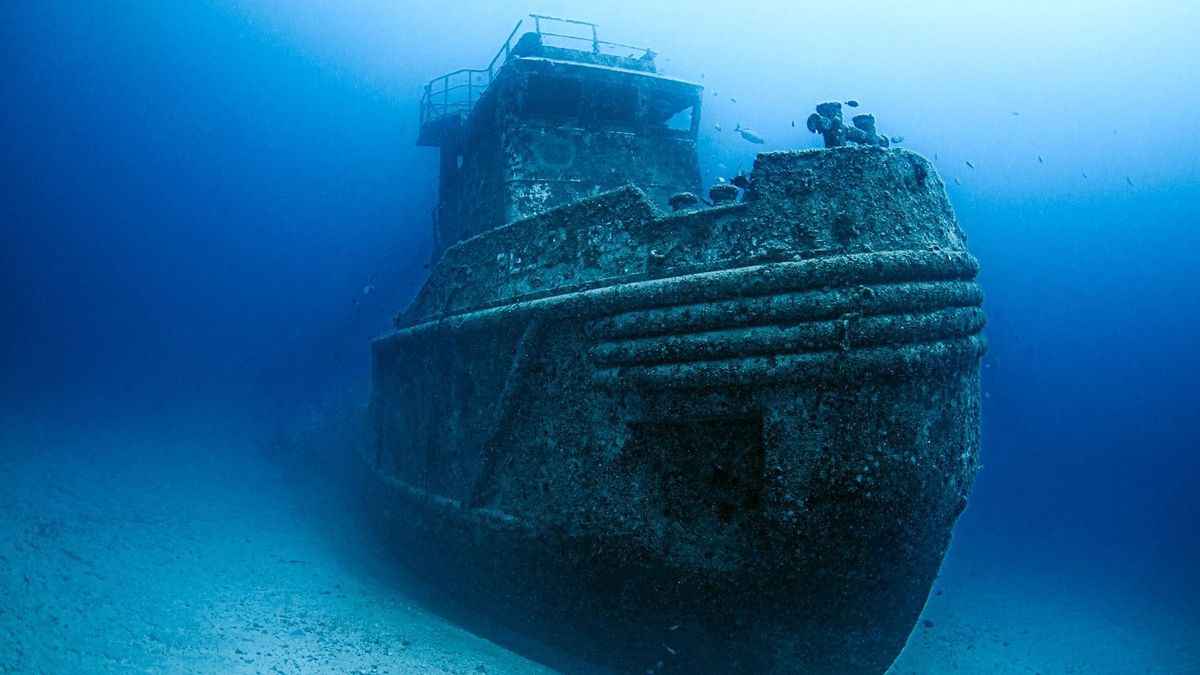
[209,208]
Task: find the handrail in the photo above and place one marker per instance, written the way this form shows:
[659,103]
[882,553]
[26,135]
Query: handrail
[603,43]
[537,26]
[437,102]
[431,108]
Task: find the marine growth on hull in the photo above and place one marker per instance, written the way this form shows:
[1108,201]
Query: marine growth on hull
[728,434]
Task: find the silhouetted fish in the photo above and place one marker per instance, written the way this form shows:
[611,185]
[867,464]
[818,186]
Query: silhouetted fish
[970,164]
[852,103]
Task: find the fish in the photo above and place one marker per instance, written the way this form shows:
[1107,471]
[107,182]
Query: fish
[970,164]
[896,139]
[368,289]
[732,99]
[793,123]
[1084,174]
[935,155]
[1040,160]
[1015,113]
[852,103]
[1128,180]
[740,181]
[957,181]
[750,134]
[717,126]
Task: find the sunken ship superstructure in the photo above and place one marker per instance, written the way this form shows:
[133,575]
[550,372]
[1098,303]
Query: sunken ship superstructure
[727,438]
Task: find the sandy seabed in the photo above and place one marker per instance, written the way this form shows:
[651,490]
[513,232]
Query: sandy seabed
[142,552]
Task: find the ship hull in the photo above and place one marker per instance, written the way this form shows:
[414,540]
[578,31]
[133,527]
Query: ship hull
[744,462]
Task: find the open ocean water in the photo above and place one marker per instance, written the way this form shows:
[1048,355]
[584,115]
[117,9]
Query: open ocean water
[208,208]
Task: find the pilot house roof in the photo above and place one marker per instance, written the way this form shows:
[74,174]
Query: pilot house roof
[577,76]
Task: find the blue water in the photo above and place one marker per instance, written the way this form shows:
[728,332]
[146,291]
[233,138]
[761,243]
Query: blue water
[208,208]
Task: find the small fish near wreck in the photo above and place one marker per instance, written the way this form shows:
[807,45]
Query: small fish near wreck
[741,431]
[750,135]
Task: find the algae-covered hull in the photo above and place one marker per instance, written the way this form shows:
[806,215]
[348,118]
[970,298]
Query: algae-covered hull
[733,439]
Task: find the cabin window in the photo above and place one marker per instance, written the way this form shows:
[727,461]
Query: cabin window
[610,103]
[553,96]
[671,111]
[682,120]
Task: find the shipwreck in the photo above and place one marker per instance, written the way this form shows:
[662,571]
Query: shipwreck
[666,435]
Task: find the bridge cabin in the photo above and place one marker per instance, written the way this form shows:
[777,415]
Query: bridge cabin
[556,116]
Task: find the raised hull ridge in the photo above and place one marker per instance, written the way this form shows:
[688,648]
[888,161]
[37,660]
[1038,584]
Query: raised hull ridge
[734,439]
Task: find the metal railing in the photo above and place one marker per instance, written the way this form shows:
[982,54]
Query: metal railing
[456,93]
[597,45]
